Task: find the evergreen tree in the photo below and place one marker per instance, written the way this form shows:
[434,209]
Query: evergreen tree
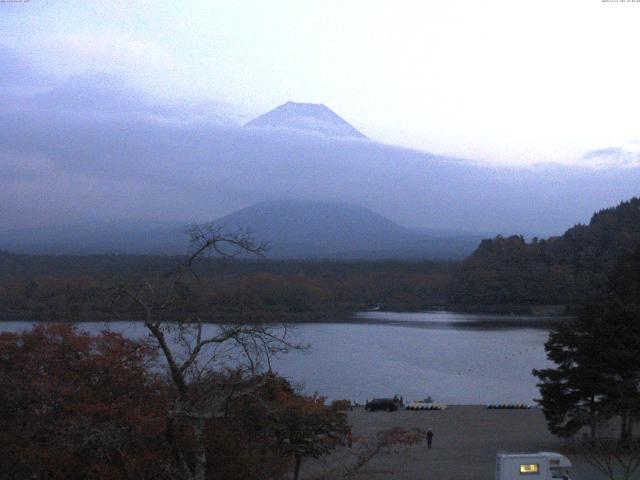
[597,376]
[572,392]
[624,283]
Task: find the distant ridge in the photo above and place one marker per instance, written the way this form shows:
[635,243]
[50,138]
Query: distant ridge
[317,229]
[139,237]
[294,229]
[309,117]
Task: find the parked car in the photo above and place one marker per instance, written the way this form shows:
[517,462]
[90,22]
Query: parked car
[381,404]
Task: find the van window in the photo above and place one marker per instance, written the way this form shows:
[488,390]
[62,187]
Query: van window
[529,468]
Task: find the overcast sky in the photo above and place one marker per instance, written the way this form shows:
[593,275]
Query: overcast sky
[510,117]
[518,82]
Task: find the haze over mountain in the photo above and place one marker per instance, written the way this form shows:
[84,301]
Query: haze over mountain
[307,117]
[295,229]
[137,236]
[83,150]
[292,229]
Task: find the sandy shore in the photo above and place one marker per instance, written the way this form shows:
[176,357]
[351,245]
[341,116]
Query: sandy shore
[466,440]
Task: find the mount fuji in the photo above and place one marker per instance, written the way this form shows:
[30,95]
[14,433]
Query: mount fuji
[307,117]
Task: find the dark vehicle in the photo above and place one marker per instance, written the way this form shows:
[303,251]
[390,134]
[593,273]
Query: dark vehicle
[381,404]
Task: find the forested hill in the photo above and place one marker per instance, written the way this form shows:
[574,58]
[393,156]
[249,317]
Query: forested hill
[564,270]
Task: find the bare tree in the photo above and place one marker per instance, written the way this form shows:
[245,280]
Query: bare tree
[615,459]
[195,353]
[349,463]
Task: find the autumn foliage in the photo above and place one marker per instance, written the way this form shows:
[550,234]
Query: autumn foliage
[80,406]
[68,288]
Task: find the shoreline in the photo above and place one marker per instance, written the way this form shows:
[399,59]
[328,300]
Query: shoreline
[539,323]
[508,316]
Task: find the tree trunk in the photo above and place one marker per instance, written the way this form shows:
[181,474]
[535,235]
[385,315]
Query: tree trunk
[625,429]
[200,472]
[592,421]
[296,470]
[170,435]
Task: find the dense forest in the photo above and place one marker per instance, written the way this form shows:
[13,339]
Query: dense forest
[566,270]
[503,274]
[80,288]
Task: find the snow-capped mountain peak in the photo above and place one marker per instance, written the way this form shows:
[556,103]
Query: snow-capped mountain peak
[309,117]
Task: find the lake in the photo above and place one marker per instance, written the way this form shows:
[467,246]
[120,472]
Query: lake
[454,358]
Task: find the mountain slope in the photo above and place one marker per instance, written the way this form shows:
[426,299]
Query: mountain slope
[293,229]
[561,270]
[297,229]
[309,117]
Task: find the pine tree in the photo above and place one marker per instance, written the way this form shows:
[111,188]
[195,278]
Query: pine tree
[597,357]
[572,393]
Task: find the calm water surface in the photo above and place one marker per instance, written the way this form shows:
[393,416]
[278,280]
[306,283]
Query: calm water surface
[454,358]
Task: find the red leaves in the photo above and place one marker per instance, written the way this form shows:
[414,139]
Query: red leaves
[74,405]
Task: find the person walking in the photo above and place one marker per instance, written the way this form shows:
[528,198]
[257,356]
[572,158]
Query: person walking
[429,438]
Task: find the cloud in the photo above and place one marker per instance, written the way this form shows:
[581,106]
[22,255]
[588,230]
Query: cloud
[17,167]
[603,152]
[90,148]
[627,156]
[106,52]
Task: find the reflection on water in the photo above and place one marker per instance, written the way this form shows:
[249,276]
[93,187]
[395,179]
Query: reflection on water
[454,358]
[448,320]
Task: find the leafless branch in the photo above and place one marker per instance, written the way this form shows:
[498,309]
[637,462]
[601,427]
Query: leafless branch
[612,458]
[201,392]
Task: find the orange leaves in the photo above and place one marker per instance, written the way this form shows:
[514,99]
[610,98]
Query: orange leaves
[77,406]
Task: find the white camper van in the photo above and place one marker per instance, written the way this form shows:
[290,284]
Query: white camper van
[532,466]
